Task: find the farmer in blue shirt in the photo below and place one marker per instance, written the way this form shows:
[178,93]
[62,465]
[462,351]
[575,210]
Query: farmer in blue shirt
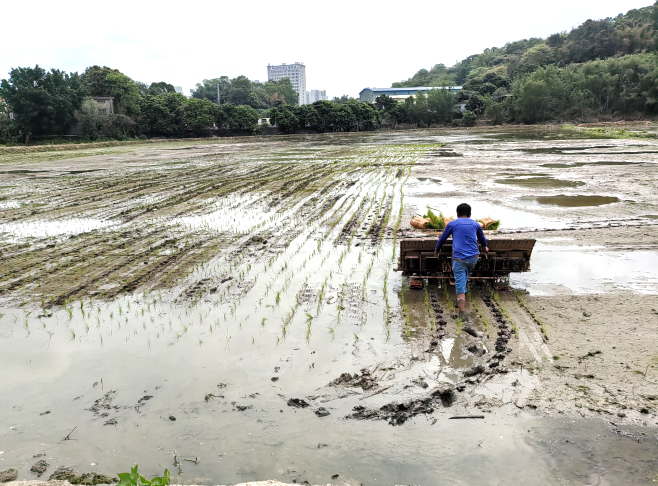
[465,252]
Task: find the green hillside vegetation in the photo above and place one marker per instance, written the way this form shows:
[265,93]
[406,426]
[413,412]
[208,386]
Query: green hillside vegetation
[601,70]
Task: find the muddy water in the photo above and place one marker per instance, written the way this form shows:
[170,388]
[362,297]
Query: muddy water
[172,304]
[534,182]
[589,269]
[571,201]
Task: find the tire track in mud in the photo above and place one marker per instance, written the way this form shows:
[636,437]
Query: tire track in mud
[487,344]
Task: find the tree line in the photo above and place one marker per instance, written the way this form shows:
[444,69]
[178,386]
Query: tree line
[35,102]
[601,69]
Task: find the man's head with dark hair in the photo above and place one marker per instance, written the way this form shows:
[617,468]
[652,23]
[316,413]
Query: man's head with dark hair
[463,210]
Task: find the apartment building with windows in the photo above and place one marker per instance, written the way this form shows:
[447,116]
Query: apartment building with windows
[315,95]
[295,72]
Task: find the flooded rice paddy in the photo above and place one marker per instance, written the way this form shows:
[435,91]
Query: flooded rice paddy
[230,309]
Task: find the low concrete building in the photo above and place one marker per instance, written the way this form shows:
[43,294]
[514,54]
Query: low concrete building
[368,95]
[105,104]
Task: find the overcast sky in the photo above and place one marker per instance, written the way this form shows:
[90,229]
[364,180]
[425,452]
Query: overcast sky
[345,45]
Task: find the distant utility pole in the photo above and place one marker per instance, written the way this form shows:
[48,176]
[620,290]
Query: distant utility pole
[219,100]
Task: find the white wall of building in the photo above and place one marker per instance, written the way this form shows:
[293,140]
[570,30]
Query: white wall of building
[295,72]
[315,95]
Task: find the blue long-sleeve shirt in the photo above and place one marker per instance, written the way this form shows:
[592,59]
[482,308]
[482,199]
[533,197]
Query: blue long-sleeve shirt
[465,235]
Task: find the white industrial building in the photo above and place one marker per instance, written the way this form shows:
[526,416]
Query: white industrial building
[295,72]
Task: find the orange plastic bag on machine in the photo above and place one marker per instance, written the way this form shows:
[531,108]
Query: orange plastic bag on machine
[486,222]
[419,222]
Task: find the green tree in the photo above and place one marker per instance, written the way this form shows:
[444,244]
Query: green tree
[342,99]
[198,115]
[94,79]
[533,101]
[238,117]
[280,93]
[125,92]
[241,92]
[399,114]
[343,118]
[323,114]
[441,105]
[208,89]
[92,124]
[538,56]
[160,88]
[6,125]
[286,120]
[420,110]
[367,117]
[162,115]
[306,115]
[385,102]
[43,103]
[494,111]
[468,119]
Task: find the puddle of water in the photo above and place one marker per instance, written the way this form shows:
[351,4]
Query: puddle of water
[565,201]
[9,204]
[585,164]
[540,182]
[424,185]
[82,171]
[606,162]
[254,214]
[587,270]
[23,171]
[510,219]
[46,229]
[444,153]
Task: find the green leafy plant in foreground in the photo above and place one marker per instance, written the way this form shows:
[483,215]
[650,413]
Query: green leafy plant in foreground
[436,222]
[133,478]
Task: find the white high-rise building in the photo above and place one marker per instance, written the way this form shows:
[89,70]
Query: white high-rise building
[315,95]
[297,74]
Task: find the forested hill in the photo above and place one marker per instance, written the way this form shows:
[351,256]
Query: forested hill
[601,69]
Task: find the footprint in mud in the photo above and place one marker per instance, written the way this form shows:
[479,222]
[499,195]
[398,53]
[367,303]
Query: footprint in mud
[297,403]
[365,381]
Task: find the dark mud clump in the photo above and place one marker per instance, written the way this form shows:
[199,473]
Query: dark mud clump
[364,381]
[67,474]
[322,412]
[144,399]
[103,405]
[394,413]
[297,403]
[39,468]
[8,475]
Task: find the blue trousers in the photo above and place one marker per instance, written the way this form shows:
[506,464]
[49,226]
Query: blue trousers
[462,270]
